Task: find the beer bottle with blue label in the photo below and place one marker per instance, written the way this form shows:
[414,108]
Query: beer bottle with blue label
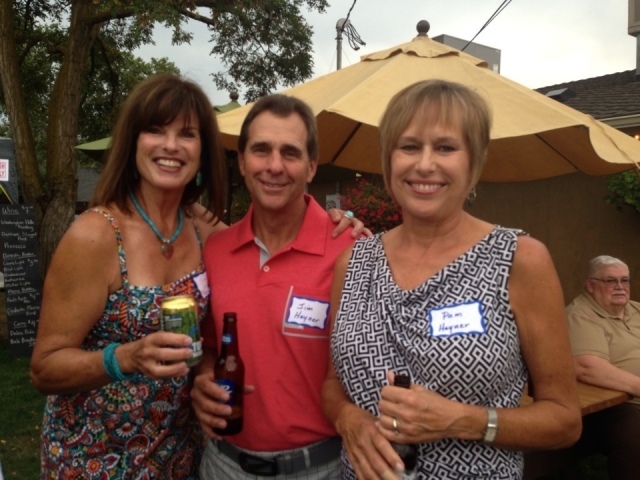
[229,374]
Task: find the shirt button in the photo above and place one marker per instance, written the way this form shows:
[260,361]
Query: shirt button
[265,268]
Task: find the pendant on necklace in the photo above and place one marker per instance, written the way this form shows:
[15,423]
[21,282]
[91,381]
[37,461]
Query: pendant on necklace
[167,250]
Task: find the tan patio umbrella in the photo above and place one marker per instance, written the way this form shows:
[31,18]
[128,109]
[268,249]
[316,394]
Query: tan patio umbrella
[533,136]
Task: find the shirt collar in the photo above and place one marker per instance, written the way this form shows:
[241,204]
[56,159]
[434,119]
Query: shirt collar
[595,306]
[314,227]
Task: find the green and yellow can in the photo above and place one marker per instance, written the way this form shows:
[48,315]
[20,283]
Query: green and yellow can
[180,315]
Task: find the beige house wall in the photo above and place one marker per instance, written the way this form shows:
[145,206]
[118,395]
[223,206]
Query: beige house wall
[568,214]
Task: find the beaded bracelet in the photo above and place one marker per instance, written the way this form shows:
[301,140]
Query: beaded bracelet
[110,363]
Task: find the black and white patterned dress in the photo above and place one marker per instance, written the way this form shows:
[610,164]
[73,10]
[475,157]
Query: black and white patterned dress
[380,327]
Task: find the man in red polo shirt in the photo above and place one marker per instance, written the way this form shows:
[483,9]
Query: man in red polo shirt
[273,264]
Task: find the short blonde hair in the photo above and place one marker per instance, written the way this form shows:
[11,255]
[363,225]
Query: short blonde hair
[432,101]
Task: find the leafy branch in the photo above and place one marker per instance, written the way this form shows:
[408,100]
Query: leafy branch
[624,190]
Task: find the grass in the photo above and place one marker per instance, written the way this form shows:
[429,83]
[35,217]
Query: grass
[21,408]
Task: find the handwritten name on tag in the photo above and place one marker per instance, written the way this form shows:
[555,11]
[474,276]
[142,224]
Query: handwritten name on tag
[457,319]
[202,284]
[309,313]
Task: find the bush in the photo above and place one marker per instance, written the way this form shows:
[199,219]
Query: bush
[624,189]
[373,206]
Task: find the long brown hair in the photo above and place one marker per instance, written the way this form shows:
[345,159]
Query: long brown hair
[157,101]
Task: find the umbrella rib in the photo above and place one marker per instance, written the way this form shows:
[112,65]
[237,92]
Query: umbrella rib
[346,142]
[560,154]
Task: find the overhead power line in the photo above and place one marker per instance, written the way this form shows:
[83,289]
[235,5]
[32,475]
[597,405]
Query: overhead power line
[502,6]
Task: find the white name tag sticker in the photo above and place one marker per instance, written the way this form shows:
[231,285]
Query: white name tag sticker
[202,284]
[308,313]
[457,319]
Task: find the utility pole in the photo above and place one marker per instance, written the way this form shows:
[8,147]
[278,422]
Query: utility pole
[340,26]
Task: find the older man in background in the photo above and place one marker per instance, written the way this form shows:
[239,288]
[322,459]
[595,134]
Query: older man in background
[604,328]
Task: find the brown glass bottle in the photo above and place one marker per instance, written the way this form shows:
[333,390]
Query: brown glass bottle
[229,374]
[408,453]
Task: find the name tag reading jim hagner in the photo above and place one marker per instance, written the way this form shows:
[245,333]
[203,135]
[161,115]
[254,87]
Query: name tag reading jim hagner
[308,313]
[459,319]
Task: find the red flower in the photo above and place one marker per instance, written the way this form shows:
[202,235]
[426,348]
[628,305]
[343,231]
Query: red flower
[373,206]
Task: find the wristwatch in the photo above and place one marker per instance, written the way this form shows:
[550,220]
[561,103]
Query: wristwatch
[491,429]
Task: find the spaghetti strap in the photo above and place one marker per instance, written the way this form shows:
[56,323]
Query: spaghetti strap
[121,255]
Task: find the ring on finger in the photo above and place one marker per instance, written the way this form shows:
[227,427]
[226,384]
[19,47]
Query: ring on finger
[348,214]
[395,427]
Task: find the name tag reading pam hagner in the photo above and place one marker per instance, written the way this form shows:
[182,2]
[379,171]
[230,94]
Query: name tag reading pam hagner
[459,319]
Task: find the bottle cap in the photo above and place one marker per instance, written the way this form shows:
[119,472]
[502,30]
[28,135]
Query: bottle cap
[402,381]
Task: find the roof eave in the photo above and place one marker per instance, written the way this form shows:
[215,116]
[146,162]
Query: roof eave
[627,121]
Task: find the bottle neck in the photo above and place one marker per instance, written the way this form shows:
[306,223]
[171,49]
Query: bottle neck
[230,329]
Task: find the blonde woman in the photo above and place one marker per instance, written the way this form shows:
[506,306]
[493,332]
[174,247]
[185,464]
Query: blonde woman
[467,309]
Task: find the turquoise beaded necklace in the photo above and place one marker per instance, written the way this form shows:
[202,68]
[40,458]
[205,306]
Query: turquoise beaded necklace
[167,248]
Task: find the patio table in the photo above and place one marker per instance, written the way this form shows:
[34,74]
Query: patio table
[592,399]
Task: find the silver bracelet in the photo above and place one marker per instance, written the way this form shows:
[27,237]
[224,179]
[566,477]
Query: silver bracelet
[491,429]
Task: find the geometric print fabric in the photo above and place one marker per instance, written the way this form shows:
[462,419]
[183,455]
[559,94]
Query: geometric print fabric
[380,327]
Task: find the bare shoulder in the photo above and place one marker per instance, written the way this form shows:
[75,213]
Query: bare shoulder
[90,231]
[534,284]
[88,249]
[531,256]
[207,223]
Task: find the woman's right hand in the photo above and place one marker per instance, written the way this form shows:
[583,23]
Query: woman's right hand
[370,453]
[158,355]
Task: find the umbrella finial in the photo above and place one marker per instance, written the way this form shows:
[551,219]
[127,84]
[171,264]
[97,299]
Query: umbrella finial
[234,96]
[423,27]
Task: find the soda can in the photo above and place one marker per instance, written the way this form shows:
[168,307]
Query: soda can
[180,315]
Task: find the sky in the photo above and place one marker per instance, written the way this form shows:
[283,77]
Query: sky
[542,42]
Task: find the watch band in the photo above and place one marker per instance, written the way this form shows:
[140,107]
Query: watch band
[491,430]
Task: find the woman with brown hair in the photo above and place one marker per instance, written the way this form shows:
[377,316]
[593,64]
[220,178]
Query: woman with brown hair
[118,386]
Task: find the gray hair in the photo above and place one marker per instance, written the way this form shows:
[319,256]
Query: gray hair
[602,261]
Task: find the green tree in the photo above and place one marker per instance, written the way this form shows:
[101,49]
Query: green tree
[108,85]
[104,91]
[263,43]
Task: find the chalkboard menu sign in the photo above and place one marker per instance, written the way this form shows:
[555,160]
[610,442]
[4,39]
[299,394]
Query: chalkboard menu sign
[21,276]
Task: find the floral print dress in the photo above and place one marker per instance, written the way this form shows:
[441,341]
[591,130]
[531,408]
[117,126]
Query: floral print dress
[131,429]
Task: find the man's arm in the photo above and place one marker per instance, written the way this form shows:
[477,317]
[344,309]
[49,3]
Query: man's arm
[601,373]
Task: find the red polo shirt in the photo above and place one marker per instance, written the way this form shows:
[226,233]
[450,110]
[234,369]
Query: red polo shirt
[283,326]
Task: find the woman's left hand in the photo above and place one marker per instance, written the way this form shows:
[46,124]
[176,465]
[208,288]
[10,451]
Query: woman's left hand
[422,415]
[345,220]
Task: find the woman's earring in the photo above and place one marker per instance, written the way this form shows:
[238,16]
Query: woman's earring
[471,198]
[136,175]
[199,179]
